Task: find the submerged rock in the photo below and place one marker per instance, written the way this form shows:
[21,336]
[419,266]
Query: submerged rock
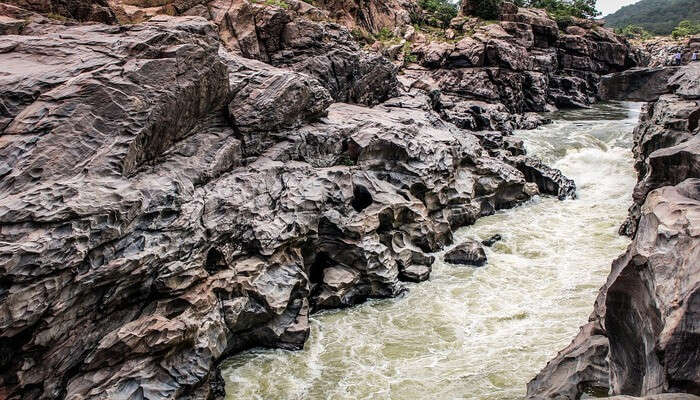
[492,240]
[467,253]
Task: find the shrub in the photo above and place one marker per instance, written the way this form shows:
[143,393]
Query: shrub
[384,35]
[486,9]
[277,3]
[685,29]
[408,56]
[633,31]
[439,13]
[361,36]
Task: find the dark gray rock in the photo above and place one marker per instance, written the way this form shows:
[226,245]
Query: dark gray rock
[174,205]
[265,98]
[549,180]
[467,253]
[326,51]
[641,84]
[492,240]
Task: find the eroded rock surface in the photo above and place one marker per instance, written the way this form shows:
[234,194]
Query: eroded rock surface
[492,74]
[468,253]
[641,339]
[164,203]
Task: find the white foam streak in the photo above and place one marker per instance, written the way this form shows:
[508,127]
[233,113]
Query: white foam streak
[475,333]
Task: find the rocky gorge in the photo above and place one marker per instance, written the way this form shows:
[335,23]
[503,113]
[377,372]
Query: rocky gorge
[185,180]
[641,338]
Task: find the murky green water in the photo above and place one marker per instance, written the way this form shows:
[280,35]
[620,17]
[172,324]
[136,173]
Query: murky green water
[476,333]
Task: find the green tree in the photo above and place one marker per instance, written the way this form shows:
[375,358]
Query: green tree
[659,17]
[633,31]
[685,29]
[559,9]
[486,9]
[563,8]
[439,13]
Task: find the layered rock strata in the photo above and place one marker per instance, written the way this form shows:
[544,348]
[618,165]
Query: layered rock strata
[489,75]
[164,203]
[642,337]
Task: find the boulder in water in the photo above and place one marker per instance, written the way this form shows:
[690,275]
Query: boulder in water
[492,240]
[467,253]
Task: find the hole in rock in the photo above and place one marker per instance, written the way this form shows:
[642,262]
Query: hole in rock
[361,199]
[215,262]
[419,190]
[175,307]
[321,262]
[693,120]
[386,221]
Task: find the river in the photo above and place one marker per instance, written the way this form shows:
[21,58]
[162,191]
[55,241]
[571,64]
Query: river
[476,333]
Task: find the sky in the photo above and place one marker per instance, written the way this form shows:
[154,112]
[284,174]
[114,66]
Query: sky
[610,6]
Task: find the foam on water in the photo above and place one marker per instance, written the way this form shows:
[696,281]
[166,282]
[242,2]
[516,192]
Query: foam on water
[476,333]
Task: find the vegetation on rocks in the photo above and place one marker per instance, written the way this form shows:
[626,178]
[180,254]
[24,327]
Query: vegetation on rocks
[686,28]
[633,31]
[437,13]
[562,11]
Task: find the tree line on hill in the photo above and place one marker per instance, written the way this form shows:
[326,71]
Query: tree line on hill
[658,17]
[440,12]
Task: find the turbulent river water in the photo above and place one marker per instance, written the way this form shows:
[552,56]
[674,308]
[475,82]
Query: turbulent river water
[476,333]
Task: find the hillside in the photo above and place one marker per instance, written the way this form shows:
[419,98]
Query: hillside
[657,16]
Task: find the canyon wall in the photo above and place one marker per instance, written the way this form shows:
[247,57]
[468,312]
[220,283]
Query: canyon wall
[642,337]
[184,188]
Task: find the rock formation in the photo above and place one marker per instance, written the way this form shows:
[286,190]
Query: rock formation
[165,202]
[184,188]
[489,75]
[467,253]
[642,337]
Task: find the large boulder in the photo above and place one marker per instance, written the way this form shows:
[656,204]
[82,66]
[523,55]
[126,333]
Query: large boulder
[643,84]
[265,98]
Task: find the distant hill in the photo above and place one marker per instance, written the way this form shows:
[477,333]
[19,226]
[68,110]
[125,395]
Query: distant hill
[656,16]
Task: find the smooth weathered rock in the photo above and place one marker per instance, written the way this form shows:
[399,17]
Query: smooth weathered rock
[265,98]
[580,367]
[665,145]
[467,253]
[637,84]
